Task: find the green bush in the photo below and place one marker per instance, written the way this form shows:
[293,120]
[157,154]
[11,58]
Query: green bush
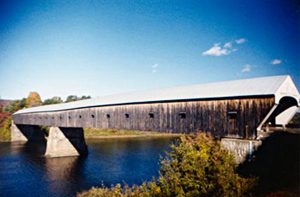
[5,129]
[196,166]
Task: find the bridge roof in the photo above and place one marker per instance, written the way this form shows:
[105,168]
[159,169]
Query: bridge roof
[278,86]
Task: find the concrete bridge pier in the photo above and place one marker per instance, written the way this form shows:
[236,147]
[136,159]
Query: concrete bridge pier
[16,134]
[64,142]
[24,133]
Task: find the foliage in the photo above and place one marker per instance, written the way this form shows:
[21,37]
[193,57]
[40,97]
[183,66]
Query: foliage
[71,98]
[15,105]
[3,117]
[76,98]
[146,190]
[4,103]
[53,100]
[85,97]
[5,128]
[33,99]
[197,166]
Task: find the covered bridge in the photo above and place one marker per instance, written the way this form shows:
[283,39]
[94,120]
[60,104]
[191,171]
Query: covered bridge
[239,109]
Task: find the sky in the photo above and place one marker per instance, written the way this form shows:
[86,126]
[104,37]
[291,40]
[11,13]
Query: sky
[103,47]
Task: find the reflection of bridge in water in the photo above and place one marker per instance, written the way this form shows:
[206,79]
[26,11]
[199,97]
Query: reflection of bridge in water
[238,109]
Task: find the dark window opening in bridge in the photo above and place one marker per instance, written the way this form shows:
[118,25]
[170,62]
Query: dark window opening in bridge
[93,116]
[107,115]
[126,115]
[40,117]
[69,117]
[151,115]
[53,117]
[80,116]
[232,114]
[182,115]
[60,117]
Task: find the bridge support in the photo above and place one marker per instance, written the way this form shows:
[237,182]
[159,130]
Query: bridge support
[24,133]
[241,149]
[16,134]
[63,142]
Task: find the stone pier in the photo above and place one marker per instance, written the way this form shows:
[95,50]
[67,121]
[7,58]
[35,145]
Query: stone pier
[64,142]
[240,148]
[24,133]
[16,134]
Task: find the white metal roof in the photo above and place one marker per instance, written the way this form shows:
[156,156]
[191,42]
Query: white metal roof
[273,85]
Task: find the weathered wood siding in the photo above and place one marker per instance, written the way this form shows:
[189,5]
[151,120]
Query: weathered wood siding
[238,117]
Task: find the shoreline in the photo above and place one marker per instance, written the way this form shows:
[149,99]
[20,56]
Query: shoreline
[132,136]
[116,136]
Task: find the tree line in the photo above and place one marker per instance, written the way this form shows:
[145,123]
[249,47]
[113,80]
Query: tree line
[34,100]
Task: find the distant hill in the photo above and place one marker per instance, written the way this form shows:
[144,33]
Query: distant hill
[4,102]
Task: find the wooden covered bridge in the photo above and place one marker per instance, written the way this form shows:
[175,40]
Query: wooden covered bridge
[235,109]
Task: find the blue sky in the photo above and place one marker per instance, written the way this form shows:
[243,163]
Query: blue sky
[96,48]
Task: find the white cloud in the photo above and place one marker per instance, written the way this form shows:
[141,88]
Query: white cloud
[276,61]
[240,41]
[216,50]
[154,68]
[246,68]
[228,45]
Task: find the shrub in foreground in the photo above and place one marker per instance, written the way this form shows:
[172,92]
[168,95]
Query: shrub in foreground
[196,166]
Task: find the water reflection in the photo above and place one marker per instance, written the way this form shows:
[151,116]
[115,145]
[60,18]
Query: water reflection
[60,168]
[64,174]
[24,171]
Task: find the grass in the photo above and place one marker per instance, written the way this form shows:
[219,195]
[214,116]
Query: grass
[104,133]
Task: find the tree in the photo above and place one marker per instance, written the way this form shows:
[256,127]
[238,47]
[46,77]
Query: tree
[85,97]
[53,100]
[196,166]
[22,103]
[199,166]
[71,98]
[33,99]
[15,105]
[5,128]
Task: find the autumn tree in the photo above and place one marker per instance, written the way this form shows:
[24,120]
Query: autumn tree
[33,99]
[15,105]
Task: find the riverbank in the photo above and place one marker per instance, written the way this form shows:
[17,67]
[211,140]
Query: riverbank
[95,133]
[5,122]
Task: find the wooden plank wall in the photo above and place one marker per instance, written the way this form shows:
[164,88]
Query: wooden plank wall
[205,115]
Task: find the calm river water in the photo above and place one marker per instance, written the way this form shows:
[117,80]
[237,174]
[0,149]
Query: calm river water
[24,171]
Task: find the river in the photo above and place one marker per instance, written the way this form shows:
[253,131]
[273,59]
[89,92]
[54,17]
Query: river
[24,171]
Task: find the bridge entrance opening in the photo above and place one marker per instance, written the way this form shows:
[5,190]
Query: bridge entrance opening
[280,114]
